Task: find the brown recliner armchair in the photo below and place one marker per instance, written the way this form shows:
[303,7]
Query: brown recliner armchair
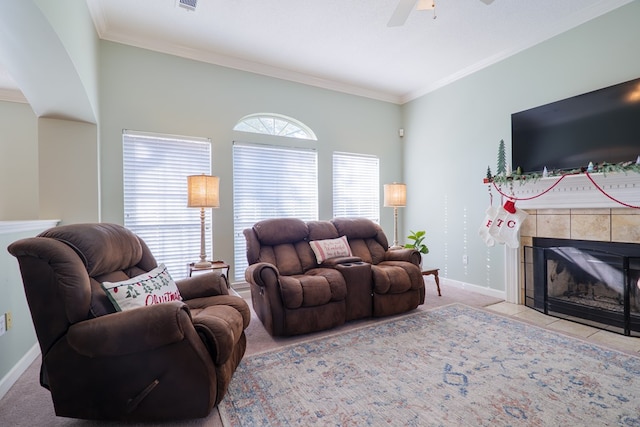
[172,360]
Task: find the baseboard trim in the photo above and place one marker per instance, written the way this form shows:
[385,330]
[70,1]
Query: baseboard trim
[19,368]
[475,288]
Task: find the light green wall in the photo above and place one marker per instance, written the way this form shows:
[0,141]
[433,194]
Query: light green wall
[452,134]
[15,343]
[148,91]
[18,346]
[18,162]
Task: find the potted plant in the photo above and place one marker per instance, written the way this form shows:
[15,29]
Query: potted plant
[417,241]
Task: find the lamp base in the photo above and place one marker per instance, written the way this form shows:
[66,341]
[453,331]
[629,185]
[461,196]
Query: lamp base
[202,264]
[394,247]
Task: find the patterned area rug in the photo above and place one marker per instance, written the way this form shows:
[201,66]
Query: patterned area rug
[452,366]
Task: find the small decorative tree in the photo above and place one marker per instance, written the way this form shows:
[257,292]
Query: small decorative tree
[502,159]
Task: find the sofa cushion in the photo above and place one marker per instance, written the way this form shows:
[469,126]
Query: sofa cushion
[277,231]
[330,248]
[102,247]
[369,250]
[318,286]
[360,228]
[366,238]
[150,288]
[320,230]
[395,277]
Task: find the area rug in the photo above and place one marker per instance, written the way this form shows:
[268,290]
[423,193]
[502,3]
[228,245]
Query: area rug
[450,366]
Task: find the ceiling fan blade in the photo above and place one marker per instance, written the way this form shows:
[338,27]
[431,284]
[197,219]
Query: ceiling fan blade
[487,2]
[401,13]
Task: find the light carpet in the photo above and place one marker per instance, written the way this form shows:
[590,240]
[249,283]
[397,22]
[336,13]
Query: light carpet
[450,366]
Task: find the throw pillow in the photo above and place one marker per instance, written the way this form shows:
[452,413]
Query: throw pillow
[330,248]
[150,288]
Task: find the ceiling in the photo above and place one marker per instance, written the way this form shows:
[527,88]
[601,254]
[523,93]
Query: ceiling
[342,45]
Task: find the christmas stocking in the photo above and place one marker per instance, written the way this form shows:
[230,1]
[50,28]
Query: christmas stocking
[505,226]
[484,228]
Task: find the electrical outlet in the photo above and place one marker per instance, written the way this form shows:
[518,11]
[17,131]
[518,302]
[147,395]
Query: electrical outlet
[9,320]
[3,326]
[465,259]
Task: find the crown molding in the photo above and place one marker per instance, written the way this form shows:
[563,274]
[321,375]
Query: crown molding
[98,16]
[12,95]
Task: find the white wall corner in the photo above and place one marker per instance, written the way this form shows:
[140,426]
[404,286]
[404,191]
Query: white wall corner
[14,374]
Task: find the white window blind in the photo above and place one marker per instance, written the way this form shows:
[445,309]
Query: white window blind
[356,187]
[155,195]
[271,182]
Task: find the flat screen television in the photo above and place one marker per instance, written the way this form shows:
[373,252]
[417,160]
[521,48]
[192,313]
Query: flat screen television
[599,126]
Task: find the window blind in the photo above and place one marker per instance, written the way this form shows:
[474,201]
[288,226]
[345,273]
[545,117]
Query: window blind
[271,182]
[356,187]
[155,171]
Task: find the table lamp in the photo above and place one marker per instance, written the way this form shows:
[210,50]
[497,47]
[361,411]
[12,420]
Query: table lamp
[203,192]
[395,196]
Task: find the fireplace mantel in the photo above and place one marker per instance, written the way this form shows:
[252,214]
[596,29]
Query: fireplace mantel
[573,192]
[577,191]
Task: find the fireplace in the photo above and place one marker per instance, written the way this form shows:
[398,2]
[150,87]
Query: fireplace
[592,282]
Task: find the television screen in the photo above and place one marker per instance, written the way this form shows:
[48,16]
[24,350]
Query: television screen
[599,126]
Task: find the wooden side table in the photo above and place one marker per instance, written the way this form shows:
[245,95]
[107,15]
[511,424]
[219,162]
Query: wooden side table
[435,274]
[215,265]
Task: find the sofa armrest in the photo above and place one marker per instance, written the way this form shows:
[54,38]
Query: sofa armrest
[234,301]
[409,255]
[262,274]
[131,331]
[203,285]
[220,327]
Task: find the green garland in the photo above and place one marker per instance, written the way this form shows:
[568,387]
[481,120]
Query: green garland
[604,168]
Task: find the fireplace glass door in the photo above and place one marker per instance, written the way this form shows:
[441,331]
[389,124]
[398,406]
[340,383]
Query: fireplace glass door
[586,284]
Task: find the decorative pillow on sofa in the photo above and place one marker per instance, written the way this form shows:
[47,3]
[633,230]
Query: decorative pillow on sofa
[330,248]
[150,288]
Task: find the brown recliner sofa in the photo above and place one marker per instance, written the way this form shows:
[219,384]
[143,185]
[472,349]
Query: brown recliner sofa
[172,360]
[292,294]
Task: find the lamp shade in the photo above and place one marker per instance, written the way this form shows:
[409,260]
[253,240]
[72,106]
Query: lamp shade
[395,195]
[426,5]
[203,191]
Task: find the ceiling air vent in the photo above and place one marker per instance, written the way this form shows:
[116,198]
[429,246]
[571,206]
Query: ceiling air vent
[188,4]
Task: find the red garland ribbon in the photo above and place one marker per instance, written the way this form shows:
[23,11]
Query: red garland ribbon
[556,183]
[612,198]
[532,197]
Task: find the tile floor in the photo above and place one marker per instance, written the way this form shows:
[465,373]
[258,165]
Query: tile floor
[587,333]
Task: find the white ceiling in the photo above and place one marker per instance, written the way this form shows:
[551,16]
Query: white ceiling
[341,44]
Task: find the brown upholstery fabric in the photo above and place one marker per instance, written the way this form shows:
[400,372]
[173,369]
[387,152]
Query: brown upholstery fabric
[284,230]
[166,361]
[102,247]
[291,294]
[321,230]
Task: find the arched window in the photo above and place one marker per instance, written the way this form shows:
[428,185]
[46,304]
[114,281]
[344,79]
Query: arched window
[275,124]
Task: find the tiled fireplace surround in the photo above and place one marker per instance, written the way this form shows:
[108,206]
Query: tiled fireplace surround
[573,209]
